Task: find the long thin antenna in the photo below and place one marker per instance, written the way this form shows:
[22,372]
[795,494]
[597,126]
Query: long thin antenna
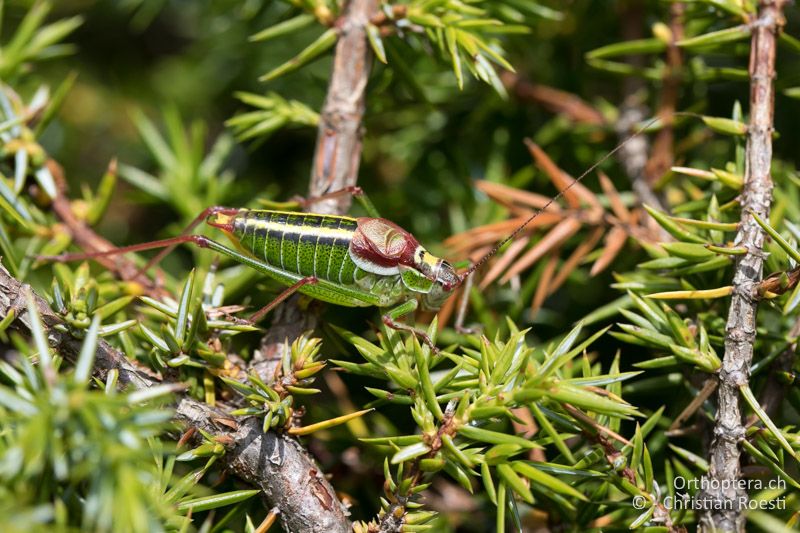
[555,198]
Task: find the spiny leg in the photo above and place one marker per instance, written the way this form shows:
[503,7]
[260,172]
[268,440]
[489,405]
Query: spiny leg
[355,191]
[202,242]
[390,319]
[199,240]
[207,212]
[258,315]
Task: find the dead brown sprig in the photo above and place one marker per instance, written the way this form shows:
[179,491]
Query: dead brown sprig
[550,234]
[552,99]
[85,237]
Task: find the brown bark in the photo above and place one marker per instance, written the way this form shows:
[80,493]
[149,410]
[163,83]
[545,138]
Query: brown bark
[338,151]
[334,166]
[277,464]
[724,465]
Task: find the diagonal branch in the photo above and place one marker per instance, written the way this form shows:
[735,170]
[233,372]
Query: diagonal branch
[724,468]
[277,464]
[338,151]
[334,167]
[336,158]
[13,300]
[85,237]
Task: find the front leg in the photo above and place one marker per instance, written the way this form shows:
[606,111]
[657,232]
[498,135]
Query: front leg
[300,202]
[391,316]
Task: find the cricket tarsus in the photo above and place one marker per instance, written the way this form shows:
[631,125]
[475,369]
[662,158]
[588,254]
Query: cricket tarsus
[391,323]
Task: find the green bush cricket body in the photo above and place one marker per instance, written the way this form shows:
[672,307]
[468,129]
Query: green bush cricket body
[352,262]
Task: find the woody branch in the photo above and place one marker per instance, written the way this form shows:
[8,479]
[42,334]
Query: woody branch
[277,464]
[334,166]
[724,465]
[338,150]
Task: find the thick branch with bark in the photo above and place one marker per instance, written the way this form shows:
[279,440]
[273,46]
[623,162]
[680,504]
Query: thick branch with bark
[336,157]
[338,151]
[277,464]
[335,166]
[724,466]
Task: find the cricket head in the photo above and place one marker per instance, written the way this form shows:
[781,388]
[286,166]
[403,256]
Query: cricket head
[382,247]
[445,282]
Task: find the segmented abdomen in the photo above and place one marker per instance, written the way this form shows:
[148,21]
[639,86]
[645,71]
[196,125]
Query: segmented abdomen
[307,244]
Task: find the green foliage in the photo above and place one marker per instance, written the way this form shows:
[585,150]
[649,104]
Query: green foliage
[190,178]
[35,40]
[187,337]
[559,414]
[274,402]
[74,456]
[275,113]
[465,413]
[463,33]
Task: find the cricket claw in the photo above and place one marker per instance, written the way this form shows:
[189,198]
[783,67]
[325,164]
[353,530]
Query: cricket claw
[352,190]
[390,323]
[463,330]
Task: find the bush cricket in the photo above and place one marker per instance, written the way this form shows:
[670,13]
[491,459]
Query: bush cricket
[353,262]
